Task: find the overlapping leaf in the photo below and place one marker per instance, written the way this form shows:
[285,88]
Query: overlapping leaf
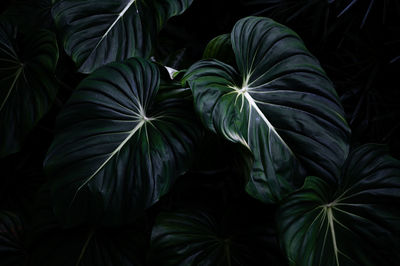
[29,15]
[52,245]
[198,238]
[27,89]
[355,223]
[220,48]
[88,247]
[12,252]
[278,102]
[97,32]
[119,145]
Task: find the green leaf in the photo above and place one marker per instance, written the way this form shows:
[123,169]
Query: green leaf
[354,223]
[101,246]
[220,48]
[97,32]
[12,251]
[29,15]
[88,247]
[119,147]
[27,87]
[197,237]
[278,102]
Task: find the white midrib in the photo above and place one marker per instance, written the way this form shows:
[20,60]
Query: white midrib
[253,104]
[120,15]
[131,133]
[332,229]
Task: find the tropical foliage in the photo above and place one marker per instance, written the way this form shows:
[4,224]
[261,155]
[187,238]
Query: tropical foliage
[166,132]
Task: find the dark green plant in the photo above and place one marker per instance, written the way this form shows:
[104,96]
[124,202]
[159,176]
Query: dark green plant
[134,144]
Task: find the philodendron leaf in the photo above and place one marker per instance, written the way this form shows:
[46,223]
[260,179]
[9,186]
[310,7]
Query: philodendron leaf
[355,223]
[197,237]
[220,48]
[12,252]
[97,32]
[278,102]
[118,147]
[27,87]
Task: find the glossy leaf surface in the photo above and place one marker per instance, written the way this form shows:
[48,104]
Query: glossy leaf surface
[220,48]
[119,146]
[356,223]
[97,32]
[278,102]
[27,88]
[199,238]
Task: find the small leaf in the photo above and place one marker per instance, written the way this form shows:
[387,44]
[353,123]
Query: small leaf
[220,48]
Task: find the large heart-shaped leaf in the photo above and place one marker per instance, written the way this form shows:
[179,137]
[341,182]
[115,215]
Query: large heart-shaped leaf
[355,223]
[27,88]
[96,32]
[119,146]
[199,238]
[12,251]
[278,102]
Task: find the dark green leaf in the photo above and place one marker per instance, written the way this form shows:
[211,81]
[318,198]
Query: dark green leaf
[277,102]
[29,14]
[355,223]
[118,148]
[27,89]
[220,48]
[12,252]
[53,246]
[97,32]
[88,247]
[198,238]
